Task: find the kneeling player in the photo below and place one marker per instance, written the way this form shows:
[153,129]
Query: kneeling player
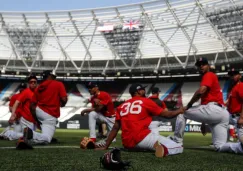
[134,117]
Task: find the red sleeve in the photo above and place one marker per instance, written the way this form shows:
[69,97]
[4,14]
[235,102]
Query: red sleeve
[23,96]
[207,80]
[163,105]
[104,98]
[62,89]
[12,100]
[240,92]
[152,107]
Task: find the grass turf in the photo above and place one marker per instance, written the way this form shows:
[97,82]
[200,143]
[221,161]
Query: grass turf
[193,158]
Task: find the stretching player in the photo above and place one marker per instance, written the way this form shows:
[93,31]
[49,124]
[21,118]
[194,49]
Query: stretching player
[102,110]
[16,125]
[157,120]
[45,108]
[134,118]
[211,111]
[235,103]
[21,111]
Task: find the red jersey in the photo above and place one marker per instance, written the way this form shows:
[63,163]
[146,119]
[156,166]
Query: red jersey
[47,96]
[106,100]
[12,101]
[162,104]
[214,93]
[236,98]
[135,116]
[25,100]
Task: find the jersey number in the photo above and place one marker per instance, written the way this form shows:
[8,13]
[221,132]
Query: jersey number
[132,108]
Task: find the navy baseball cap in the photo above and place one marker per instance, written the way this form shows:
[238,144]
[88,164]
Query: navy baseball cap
[46,73]
[233,72]
[32,76]
[22,86]
[201,61]
[135,87]
[92,85]
[155,90]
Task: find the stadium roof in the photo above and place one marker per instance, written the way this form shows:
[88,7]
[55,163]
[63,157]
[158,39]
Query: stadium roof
[163,36]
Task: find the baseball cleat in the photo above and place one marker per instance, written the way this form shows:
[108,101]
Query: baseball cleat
[160,150]
[100,144]
[23,145]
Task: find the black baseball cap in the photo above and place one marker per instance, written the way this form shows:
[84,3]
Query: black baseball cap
[91,85]
[22,86]
[201,61]
[32,76]
[233,72]
[46,73]
[155,90]
[135,87]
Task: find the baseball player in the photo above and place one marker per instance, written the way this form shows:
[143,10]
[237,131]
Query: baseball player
[102,110]
[211,111]
[134,117]
[235,103]
[157,120]
[45,108]
[21,111]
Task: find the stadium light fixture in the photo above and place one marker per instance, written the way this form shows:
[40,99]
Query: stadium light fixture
[17,72]
[3,71]
[79,71]
[68,74]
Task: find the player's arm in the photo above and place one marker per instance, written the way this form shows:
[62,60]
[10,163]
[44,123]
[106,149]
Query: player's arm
[112,135]
[63,101]
[171,114]
[197,95]
[86,111]
[13,115]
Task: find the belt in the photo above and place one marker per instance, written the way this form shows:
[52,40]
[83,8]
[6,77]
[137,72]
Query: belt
[217,104]
[235,115]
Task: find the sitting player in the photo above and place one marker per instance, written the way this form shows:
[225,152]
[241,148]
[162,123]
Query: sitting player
[134,117]
[102,110]
[16,126]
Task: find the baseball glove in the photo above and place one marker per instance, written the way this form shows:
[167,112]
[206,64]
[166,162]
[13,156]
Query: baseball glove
[87,143]
[111,160]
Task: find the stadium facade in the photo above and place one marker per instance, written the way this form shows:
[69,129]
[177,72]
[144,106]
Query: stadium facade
[158,37]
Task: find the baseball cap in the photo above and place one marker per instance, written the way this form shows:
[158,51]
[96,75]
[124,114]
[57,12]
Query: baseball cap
[92,85]
[32,76]
[201,61]
[233,72]
[155,90]
[22,86]
[46,73]
[135,87]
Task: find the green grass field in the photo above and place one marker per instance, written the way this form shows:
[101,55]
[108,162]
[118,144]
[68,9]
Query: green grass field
[196,156]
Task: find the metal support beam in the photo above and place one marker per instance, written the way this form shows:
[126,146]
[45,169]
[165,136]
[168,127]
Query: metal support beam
[193,36]
[38,53]
[58,42]
[221,37]
[216,57]
[106,66]
[179,25]
[167,49]
[82,41]
[15,51]
[111,48]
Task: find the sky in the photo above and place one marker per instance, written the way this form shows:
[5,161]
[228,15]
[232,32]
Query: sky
[50,5]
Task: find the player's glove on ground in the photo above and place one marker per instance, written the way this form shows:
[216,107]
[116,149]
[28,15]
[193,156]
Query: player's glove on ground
[111,160]
[87,143]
